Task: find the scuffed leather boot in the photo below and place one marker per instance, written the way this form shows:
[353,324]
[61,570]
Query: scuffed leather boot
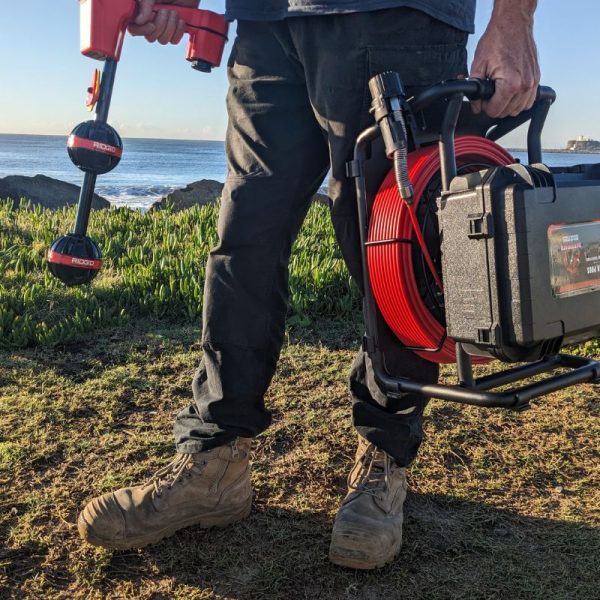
[206,489]
[368,526]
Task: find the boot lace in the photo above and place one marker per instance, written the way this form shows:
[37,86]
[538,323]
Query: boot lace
[373,476]
[171,473]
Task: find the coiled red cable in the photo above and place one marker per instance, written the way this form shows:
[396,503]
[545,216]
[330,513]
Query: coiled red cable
[390,264]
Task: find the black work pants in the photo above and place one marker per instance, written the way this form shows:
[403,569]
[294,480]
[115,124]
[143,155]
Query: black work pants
[297,100]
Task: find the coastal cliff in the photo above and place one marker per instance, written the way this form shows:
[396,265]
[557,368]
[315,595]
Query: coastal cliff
[583,145]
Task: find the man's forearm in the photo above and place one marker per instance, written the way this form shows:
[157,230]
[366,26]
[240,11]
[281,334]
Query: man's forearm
[514,10]
[507,54]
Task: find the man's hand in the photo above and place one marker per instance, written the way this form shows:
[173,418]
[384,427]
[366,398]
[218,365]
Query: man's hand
[164,26]
[507,54]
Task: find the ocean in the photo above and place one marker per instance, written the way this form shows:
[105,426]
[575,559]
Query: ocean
[150,168]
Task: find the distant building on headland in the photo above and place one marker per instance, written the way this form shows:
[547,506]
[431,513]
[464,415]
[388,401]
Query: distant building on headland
[583,144]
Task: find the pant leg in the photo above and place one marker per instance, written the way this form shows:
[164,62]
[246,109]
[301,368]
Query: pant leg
[277,159]
[340,54]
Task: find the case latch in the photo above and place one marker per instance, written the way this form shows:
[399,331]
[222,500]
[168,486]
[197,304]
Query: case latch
[480,226]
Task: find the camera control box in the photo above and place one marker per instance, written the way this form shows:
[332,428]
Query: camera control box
[521,259]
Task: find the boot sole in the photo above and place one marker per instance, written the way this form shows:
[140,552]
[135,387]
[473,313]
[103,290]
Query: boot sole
[220,520]
[352,563]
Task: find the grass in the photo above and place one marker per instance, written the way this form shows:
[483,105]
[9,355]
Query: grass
[502,505]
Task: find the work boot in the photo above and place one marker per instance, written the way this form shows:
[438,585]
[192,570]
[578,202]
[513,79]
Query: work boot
[207,489]
[368,526]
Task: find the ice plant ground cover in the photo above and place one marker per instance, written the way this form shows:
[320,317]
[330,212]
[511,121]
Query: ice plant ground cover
[154,266]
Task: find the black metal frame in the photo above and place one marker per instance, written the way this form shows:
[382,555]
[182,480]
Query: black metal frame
[470,390]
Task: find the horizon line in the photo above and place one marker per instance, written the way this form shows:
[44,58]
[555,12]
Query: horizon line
[174,139]
[128,137]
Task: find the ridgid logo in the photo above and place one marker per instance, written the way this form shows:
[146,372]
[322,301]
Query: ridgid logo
[87,144]
[74,261]
[105,148]
[82,262]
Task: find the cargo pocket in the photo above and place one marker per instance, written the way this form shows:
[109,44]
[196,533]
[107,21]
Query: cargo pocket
[419,66]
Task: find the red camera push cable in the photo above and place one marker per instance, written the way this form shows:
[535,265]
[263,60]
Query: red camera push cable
[390,261]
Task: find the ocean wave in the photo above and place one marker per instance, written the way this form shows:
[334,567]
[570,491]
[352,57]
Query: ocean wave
[136,197]
[141,203]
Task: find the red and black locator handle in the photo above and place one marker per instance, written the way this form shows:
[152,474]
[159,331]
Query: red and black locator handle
[94,146]
[104,22]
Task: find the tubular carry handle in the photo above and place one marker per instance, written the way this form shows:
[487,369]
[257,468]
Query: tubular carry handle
[482,89]
[473,89]
[455,90]
[104,23]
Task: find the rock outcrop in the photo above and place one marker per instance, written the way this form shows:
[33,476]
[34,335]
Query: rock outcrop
[202,192]
[45,191]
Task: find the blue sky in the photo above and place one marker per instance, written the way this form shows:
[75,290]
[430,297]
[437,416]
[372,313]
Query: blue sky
[43,77]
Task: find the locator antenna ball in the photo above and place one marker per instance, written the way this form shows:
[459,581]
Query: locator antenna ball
[94,146]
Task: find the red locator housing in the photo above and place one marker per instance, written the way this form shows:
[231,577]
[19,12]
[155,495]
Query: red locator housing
[104,23]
